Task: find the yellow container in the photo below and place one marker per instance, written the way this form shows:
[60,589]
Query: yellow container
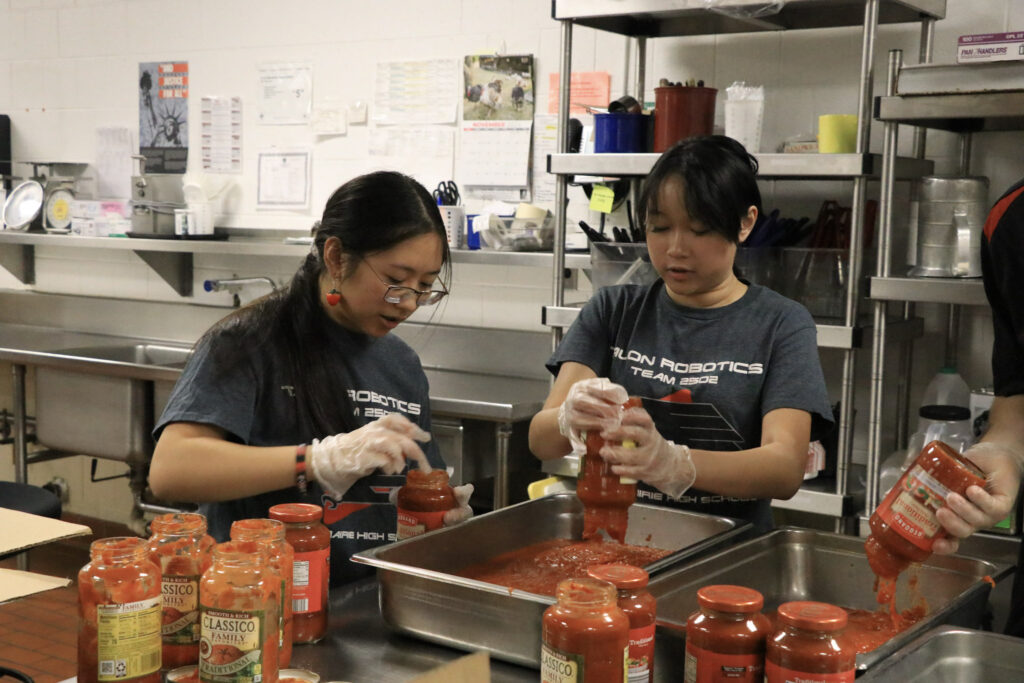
[837,133]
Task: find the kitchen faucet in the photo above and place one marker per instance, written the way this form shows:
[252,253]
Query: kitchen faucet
[235,284]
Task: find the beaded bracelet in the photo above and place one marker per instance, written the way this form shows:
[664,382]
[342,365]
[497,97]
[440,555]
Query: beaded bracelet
[300,467]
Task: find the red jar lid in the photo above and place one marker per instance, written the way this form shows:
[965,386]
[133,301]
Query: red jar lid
[726,598]
[296,512]
[812,616]
[619,575]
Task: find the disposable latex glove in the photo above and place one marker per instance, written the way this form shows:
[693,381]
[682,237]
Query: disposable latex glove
[340,460]
[636,450]
[982,507]
[593,404]
[461,512]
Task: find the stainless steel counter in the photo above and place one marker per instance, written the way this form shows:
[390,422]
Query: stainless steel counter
[492,398]
[360,647]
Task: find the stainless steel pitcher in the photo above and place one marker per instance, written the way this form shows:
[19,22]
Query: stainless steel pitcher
[950,221]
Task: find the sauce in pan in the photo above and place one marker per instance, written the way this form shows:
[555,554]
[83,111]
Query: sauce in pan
[539,567]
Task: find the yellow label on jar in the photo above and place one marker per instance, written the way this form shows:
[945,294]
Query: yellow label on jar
[128,639]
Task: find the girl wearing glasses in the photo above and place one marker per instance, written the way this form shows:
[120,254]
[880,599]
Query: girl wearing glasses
[744,356]
[303,396]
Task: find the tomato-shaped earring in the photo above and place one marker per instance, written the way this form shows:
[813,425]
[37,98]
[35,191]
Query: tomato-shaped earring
[333,297]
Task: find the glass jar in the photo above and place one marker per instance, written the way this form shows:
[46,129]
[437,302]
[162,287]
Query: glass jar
[605,496]
[311,572]
[727,635]
[282,559]
[180,546]
[585,635]
[640,607]
[807,646]
[423,501]
[239,597]
[119,613]
[903,527]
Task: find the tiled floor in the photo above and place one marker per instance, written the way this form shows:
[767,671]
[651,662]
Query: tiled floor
[38,633]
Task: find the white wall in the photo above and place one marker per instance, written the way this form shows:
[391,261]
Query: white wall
[69,66]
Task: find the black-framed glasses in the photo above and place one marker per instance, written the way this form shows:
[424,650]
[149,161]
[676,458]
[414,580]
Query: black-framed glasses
[396,294]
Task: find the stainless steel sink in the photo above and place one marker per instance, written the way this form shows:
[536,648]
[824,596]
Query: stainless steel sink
[104,415]
[138,354]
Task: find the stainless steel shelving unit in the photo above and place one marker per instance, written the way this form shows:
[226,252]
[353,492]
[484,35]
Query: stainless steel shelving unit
[643,19]
[959,110]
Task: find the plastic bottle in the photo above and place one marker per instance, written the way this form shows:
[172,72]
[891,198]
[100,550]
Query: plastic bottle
[945,415]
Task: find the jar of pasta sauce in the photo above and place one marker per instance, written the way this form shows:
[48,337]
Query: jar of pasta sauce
[639,605]
[282,559]
[606,497]
[239,597]
[585,635]
[903,527]
[180,546]
[423,501]
[311,570]
[807,645]
[119,613]
[727,635]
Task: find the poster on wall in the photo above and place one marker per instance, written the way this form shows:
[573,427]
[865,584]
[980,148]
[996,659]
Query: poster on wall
[163,116]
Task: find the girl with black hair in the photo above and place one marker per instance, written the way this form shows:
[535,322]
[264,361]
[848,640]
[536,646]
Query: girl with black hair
[743,356]
[314,364]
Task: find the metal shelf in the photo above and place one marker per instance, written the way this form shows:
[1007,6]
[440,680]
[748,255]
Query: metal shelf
[771,166]
[942,290]
[959,113]
[829,336]
[660,18]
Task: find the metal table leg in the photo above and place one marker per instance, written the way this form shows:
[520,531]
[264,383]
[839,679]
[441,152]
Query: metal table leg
[503,436]
[20,440]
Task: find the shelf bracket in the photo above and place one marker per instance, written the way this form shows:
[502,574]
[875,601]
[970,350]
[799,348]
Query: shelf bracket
[19,260]
[175,268]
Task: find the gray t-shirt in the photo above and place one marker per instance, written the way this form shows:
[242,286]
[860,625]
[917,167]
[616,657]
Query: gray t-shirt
[254,403]
[738,362]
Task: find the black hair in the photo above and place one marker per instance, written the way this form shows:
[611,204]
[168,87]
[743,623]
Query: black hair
[719,180]
[368,214]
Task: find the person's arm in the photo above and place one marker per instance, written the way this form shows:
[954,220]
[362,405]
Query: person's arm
[196,463]
[1000,454]
[775,469]
[772,470]
[546,442]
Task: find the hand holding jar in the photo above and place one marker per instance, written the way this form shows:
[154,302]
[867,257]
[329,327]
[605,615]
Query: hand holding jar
[636,450]
[981,507]
[592,404]
[340,460]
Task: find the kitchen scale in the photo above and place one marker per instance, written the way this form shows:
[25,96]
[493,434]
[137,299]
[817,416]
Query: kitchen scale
[42,201]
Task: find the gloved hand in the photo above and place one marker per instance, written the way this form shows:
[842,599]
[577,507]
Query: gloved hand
[340,460]
[982,507]
[591,404]
[461,512]
[636,450]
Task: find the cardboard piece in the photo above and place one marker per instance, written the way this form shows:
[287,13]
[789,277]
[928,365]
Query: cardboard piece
[20,530]
[474,668]
[18,584]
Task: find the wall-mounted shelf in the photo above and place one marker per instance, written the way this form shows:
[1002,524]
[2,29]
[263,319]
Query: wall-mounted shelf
[941,290]
[770,166]
[959,113]
[172,259]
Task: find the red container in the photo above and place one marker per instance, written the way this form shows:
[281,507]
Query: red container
[682,112]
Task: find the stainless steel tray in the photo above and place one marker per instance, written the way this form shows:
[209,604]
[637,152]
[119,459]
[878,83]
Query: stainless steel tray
[420,594]
[952,655]
[800,564]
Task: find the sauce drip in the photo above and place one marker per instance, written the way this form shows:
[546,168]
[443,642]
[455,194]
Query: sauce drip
[538,568]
